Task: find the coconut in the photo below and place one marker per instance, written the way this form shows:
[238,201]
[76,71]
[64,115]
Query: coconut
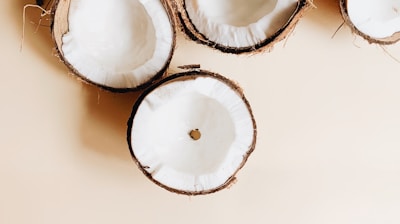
[377,21]
[127,44]
[238,26]
[118,45]
[192,132]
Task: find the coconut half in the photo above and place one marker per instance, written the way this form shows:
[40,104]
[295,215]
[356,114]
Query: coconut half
[238,26]
[192,132]
[119,45]
[377,21]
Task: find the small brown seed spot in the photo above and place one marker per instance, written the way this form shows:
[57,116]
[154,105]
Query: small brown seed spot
[195,134]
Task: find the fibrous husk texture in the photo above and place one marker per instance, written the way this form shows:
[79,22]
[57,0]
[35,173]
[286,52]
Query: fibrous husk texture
[284,22]
[367,17]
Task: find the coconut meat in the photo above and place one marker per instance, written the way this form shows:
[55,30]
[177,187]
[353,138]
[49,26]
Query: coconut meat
[239,23]
[119,44]
[375,18]
[192,135]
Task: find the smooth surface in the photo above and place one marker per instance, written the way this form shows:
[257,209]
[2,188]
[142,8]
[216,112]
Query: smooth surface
[377,18]
[219,26]
[160,134]
[116,45]
[328,150]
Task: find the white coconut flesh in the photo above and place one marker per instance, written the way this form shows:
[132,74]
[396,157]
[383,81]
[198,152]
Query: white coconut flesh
[239,23]
[117,44]
[192,135]
[375,18]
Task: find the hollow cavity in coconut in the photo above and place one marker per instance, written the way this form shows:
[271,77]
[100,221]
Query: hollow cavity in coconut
[238,26]
[118,45]
[378,21]
[192,132]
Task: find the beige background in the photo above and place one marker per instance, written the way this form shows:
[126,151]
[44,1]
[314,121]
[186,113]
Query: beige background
[328,114]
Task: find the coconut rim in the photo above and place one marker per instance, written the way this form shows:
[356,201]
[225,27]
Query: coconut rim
[62,28]
[183,76]
[186,26]
[383,41]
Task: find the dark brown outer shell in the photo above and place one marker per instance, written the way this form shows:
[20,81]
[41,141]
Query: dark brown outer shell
[192,32]
[187,76]
[59,28]
[384,41]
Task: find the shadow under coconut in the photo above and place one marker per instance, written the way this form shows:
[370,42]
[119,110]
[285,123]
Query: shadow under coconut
[326,15]
[104,125]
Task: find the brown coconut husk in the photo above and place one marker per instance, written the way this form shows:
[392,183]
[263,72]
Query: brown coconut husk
[382,41]
[177,15]
[187,27]
[59,12]
[192,74]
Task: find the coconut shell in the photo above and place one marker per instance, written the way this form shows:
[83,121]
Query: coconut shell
[59,13]
[193,74]
[384,41]
[187,27]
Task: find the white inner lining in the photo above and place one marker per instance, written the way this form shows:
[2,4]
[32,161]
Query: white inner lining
[376,18]
[236,12]
[117,43]
[176,148]
[161,141]
[239,23]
